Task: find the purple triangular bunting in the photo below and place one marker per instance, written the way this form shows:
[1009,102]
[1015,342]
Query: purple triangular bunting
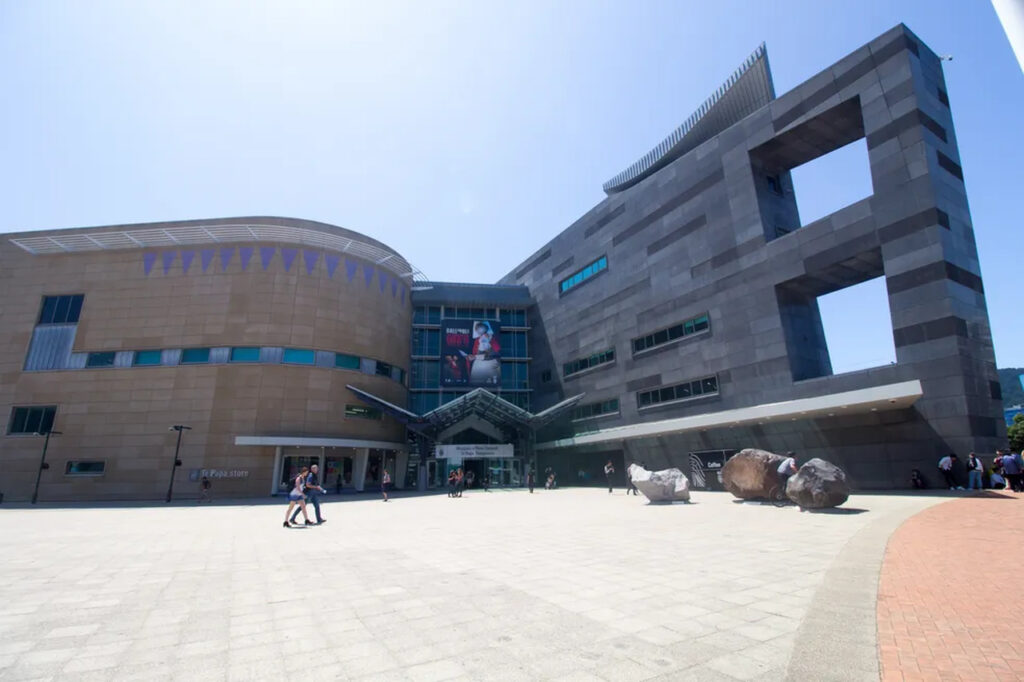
[403,293]
[206,257]
[148,261]
[367,273]
[332,264]
[382,279]
[394,287]
[186,259]
[266,254]
[350,269]
[226,254]
[288,256]
[245,255]
[167,257]
[310,258]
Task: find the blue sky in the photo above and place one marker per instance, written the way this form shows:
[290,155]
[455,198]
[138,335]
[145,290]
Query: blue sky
[463,134]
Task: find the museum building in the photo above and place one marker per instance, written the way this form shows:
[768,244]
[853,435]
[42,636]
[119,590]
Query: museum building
[674,323]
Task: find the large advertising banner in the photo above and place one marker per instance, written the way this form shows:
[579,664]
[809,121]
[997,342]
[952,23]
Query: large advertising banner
[471,353]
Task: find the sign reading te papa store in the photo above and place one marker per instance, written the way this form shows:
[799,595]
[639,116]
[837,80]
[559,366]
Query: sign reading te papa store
[196,474]
[463,451]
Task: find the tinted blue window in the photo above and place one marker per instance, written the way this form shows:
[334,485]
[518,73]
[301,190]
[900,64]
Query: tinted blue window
[247,354]
[192,356]
[346,361]
[105,359]
[147,357]
[298,356]
[583,274]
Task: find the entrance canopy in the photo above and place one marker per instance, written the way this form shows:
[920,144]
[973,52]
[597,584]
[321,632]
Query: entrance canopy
[478,404]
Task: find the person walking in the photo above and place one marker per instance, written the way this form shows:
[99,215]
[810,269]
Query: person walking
[946,469]
[297,497]
[385,481]
[452,482]
[460,482]
[974,471]
[530,480]
[204,490]
[630,488]
[608,471]
[337,484]
[312,490]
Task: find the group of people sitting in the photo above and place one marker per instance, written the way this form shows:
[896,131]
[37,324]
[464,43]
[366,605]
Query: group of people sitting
[1005,472]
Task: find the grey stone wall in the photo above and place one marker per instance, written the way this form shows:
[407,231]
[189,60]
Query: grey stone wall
[701,236]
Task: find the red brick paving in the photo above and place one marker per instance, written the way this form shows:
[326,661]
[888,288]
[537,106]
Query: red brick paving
[950,593]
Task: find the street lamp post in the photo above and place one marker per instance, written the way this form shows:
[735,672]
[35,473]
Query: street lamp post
[177,462]
[42,462]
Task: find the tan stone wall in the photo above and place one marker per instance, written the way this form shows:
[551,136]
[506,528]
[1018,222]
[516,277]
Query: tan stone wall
[121,415]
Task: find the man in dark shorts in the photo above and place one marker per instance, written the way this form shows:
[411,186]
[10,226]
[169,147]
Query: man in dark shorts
[312,489]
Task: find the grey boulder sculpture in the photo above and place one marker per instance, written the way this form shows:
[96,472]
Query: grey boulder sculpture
[818,485]
[751,474]
[667,485]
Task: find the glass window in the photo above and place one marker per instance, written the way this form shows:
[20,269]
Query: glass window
[82,468]
[383,369]
[710,385]
[147,357]
[195,356]
[298,356]
[426,374]
[362,412]
[580,364]
[426,314]
[421,403]
[61,309]
[545,376]
[32,419]
[343,361]
[683,391]
[104,359]
[245,354]
[426,342]
[673,333]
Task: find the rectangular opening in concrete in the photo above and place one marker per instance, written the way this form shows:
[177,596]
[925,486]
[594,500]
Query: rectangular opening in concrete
[833,181]
[858,326]
[824,159]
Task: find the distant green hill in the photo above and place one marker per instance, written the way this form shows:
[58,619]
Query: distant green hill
[1013,393]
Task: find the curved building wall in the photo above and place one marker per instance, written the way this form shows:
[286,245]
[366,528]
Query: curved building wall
[295,303]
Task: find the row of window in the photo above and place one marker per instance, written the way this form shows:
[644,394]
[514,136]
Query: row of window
[582,275]
[592,410]
[61,309]
[432,314]
[249,354]
[670,334]
[580,364]
[684,391]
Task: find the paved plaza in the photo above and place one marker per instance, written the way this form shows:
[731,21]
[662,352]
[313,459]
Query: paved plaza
[570,584]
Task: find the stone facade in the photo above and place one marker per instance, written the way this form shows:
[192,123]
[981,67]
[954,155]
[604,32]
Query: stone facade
[178,297]
[717,232]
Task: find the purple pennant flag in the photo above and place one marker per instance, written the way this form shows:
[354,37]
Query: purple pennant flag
[167,257]
[266,253]
[394,286]
[288,256]
[310,257]
[206,257]
[367,273]
[148,261]
[186,259]
[382,279]
[332,265]
[403,294]
[226,254]
[350,269]
[245,255]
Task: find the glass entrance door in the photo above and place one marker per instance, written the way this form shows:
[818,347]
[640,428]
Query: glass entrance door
[291,465]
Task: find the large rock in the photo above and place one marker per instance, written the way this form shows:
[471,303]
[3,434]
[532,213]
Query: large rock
[667,485]
[751,474]
[818,485]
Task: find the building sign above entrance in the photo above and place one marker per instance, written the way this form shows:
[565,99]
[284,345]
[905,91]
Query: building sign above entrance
[475,450]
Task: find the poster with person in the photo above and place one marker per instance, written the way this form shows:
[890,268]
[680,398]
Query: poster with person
[471,353]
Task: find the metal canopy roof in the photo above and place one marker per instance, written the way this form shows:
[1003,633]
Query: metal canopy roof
[748,89]
[479,402]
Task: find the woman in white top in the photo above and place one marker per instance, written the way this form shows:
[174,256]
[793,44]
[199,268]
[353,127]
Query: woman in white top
[297,496]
